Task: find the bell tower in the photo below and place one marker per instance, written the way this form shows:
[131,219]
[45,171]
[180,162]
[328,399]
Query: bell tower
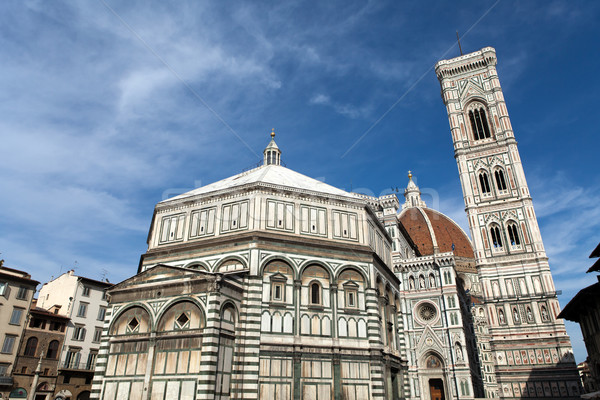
[533,355]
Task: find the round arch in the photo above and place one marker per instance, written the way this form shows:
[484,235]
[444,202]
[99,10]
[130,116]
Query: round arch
[174,302]
[346,267]
[227,303]
[279,258]
[236,315]
[191,265]
[311,263]
[230,258]
[120,312]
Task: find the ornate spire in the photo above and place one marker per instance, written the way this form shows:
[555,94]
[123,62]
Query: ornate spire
[412,194]
[272,154]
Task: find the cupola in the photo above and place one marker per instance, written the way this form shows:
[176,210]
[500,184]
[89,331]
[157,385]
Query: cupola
[412,194]
[272,154]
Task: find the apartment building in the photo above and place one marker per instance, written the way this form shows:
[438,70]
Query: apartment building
[83,300]
[16,292]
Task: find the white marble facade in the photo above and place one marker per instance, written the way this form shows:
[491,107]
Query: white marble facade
[272,285]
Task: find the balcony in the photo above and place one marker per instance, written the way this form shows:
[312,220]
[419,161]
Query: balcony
[77,366]
[6,380]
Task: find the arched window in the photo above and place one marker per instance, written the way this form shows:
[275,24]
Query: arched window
[484,182]
[513,234]
[31,347]
[479,124]
[496,238]
[500,181]
[184,315]
[315,283]
[52,350]
[315,293]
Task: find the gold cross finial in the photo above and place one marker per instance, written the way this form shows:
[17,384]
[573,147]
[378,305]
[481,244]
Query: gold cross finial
[409,175]
[272,132]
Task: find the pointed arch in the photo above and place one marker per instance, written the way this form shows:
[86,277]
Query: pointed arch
[500,179]
[513,233]
[496,236]
[484,182]
[432,360]
[477,115]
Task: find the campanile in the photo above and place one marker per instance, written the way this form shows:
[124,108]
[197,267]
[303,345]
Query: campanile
[533,355]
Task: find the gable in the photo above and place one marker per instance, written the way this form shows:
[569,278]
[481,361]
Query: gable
[160,273]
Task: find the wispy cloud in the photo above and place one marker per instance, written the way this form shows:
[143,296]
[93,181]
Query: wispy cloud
[347,110]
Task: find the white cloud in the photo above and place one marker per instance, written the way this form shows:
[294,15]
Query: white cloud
[347,110]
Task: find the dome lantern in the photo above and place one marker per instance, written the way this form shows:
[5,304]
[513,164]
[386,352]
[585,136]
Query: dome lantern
[272,154]
[412,194]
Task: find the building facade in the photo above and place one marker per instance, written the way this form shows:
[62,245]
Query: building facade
[16,293]
[36,365]
[83,301]
[270,284]
[531,346]
[584,309]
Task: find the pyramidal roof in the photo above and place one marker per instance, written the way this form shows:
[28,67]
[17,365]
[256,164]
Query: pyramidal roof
[270,174]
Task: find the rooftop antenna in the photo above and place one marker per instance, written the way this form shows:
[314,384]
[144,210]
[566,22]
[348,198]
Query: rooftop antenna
[459,47]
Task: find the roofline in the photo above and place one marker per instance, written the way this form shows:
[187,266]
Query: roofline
[15,270]
[595,267]
[18,278]
[570,310]
[596,252]
[94,281]
[177,199]
[155,266]
[43,311]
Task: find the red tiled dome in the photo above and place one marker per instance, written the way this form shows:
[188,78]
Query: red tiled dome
[426,226]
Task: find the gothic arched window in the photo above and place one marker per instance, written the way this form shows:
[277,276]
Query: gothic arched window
[500,181]
[484,182]
[496,238]
[31,347]
[479,124]
[513,234]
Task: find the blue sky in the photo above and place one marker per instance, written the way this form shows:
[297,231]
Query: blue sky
[108,106]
